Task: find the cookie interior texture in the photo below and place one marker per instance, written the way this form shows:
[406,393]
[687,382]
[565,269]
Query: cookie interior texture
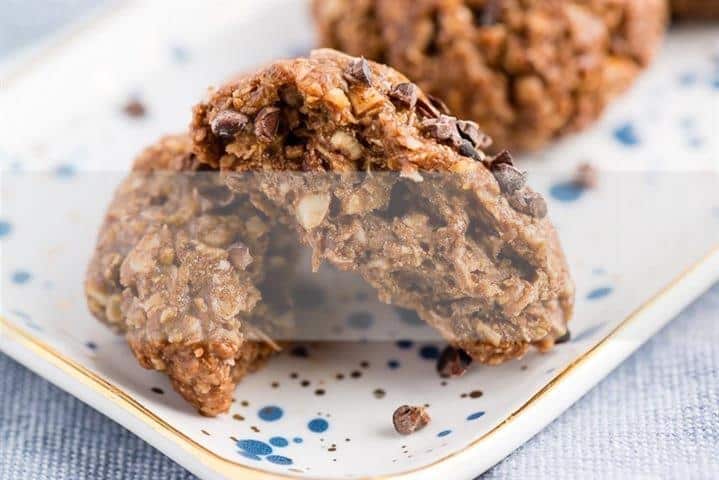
[376,178]
[526,70]
[182,268]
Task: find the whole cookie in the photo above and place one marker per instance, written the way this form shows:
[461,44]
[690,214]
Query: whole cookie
[697,9]
[379,180]
[526,71]
[180,268]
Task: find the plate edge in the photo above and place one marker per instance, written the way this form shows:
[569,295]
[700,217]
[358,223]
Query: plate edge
[229,468]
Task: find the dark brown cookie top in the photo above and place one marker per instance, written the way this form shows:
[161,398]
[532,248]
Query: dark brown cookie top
[527,71]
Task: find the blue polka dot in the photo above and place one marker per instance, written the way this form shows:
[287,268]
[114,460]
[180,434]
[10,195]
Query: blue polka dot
[360,320]
[300,351]
[475,416]
[179,54]
[566,191]
[318,425]
[429,352]
[5,229]
[279,460]
[393,364]
[91,345]
[279,442]
[250,456]
[297,440]
[626,135]
[598,293]
[254,447]
[270,413]
[687,79]
[444,433]
[404,344]
[65,171]
[21,277]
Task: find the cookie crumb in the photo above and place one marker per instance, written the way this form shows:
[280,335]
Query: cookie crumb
[407,419]
[453,362]
[586,176]
[135,108]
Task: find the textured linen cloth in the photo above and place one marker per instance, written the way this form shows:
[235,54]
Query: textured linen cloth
[656,416]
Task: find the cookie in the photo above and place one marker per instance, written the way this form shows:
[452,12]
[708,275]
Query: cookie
[527,72]
[379,179]
[695,9]
[180,267]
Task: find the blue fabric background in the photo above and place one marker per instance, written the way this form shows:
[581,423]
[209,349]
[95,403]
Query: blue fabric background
[656,416]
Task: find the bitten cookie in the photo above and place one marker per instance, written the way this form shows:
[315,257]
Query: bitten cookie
[380,180]
[696,9]
[526,71]
[180,267]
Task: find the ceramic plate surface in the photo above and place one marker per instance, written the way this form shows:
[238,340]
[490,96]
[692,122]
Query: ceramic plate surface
[641,246]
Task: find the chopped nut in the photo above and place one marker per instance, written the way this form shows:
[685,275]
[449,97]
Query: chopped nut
[267,124]
[168,315]
[228,123]
[359,71]
[312,209]
[453,362]
[405,94]
[366,101]
[529,202]
[347,144]
[338,99]
[166,256]
[407,419]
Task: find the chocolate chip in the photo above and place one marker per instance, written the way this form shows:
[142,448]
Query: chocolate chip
[491,13]
[408,419]
[466,149]
[453,362]
[359,71]
[267,123]
[509,178]
[443,129]
[424,107]
[135,109]
[471,132]
[228,123]
[564,338]
[405,94]
[529,202]
[439,104]
[586,176]
[503,158]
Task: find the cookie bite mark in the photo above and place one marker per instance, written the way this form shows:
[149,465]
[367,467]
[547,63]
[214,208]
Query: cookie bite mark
[380,179]
[180,268]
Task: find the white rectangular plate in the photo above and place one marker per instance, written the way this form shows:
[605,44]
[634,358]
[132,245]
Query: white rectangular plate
[641,246]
